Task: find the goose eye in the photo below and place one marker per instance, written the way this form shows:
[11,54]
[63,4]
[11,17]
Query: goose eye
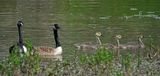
[118,36]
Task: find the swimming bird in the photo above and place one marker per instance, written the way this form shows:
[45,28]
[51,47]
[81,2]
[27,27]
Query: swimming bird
[50,52]
[136,45]
[130,45]
[20,44]
[90,46]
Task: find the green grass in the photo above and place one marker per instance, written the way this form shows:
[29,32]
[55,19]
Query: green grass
[15,64]
[103,62]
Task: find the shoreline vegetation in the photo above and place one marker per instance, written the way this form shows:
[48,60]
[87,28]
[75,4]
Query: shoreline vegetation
[80,19]
[103,62]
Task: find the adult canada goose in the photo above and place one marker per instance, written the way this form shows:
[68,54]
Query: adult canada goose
[50,52]
[90,46]
[20,44]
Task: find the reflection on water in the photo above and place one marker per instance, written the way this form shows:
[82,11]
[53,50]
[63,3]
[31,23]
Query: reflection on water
[79,19]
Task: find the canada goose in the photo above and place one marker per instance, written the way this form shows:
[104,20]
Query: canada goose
[20,44]
[90,46]
[130,45]
[50,52]
[136,45]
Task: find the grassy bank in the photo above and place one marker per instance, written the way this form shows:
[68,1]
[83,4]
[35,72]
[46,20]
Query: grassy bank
[104,62]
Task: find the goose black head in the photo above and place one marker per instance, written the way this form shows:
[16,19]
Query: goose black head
[56,26]
[20,23]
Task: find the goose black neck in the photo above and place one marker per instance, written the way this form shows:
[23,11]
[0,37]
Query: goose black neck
[20,35]
[56,37]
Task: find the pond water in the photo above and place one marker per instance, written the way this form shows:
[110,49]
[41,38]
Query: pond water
[79,20]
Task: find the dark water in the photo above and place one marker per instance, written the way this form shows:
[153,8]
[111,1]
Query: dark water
[79,20]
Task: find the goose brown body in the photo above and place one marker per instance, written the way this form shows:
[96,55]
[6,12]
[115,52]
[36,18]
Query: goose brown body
[90,46]
[46,52]
[131,45]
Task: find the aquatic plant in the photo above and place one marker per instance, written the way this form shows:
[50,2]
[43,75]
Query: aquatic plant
[17,65]
[126,63]
[103,62]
